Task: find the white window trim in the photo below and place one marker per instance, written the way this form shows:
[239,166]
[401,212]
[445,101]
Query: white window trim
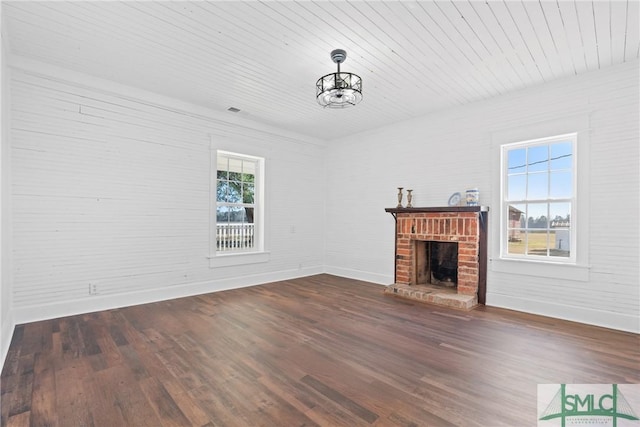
[580,271]
[504,254]
[238,258]
[259,254]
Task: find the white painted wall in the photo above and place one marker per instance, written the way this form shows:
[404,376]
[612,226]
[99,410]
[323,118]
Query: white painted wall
[111,186]
[457,149]
[6,322]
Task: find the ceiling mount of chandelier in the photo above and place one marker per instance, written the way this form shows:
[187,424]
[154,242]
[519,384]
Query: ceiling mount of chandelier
[339,90]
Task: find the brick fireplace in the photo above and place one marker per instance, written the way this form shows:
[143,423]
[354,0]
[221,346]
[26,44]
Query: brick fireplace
[441,255]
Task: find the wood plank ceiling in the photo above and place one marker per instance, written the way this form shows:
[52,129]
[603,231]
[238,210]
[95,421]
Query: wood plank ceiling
[265,57]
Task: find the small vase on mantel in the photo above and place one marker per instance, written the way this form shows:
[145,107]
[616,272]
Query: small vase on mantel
[409,198]
[473,197]
[399,197]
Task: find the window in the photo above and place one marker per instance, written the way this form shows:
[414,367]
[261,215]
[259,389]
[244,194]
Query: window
[238,203]
[539,199]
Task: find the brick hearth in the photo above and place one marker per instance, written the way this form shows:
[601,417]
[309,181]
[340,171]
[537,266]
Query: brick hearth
[463,225]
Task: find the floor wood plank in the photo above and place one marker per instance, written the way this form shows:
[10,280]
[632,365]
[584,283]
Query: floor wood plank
[315,351]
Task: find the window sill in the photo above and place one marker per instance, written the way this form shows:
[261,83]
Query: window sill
[552,270]
[230,260]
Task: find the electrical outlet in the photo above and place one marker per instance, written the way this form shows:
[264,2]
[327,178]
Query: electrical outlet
[93,289]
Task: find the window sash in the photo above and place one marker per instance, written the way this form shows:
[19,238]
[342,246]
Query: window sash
[241,231]
[510,232]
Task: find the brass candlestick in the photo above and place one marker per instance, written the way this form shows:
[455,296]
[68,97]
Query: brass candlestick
[399,197]
[409,197]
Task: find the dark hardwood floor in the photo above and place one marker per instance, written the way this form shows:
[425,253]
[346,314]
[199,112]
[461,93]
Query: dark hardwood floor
[320,350]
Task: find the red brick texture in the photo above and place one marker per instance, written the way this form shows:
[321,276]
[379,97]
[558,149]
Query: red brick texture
[461,227]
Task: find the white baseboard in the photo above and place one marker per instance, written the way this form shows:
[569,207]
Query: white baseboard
[107,302]
[606,319]
[380,279]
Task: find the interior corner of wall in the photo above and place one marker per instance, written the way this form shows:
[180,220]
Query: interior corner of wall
[7,326]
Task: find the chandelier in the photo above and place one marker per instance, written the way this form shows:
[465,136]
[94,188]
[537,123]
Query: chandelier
[339,90]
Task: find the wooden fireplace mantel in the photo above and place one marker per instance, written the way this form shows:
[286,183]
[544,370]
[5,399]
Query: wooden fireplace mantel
[395,211]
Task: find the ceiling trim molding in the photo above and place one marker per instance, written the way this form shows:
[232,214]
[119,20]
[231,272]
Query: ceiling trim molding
[132,94]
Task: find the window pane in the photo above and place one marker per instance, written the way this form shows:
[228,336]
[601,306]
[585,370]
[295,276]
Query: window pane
[517,216]
[537,242]
[538,158]
[561,156]
[222,165]
[517,187]
[236,214]
[560,242]
[560,213]
[516,241]
[538,186]
[537,215]
[222,214]
[248,177]
[515,231]
[234,190]
[516,161]
[561,185]
[249,215]
[235,176]
[221,174]
[235,165]
[249,167]
[248,192]
[221,191]
[560,236]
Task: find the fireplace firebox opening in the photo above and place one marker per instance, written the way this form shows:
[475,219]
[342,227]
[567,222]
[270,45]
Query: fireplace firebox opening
[436,263]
